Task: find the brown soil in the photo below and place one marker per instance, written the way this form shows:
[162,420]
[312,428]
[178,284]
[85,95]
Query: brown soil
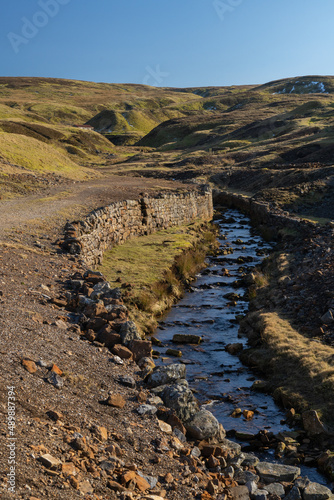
[32,271]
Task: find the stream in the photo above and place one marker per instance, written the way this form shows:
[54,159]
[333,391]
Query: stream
[219,380]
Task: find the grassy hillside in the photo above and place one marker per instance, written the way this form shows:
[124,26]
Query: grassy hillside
[261,139]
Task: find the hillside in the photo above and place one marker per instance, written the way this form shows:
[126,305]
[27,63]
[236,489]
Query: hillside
[273,140]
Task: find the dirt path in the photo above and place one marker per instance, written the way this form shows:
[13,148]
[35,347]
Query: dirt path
[68,201]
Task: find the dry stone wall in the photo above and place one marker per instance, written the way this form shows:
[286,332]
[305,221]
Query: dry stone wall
[262,213]
[114,224]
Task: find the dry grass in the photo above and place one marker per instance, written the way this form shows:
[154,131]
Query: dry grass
[301,369]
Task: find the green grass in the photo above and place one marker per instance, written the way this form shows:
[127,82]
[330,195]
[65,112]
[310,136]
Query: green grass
[34,155]
[157,267]
[145,259]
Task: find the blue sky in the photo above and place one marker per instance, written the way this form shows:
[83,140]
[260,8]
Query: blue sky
[176,43]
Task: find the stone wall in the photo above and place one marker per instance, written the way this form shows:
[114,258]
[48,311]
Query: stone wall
[114,224]
[262,213]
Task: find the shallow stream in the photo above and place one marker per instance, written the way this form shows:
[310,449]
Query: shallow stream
[218,378]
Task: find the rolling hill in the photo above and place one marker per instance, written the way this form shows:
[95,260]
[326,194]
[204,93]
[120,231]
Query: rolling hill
[263,139]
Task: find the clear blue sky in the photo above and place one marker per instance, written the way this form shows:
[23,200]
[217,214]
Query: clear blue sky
[176,43]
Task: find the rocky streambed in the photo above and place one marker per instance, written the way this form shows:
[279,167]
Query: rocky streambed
[202,330]
[205,433]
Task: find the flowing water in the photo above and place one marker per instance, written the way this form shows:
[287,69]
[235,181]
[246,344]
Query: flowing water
[219,379]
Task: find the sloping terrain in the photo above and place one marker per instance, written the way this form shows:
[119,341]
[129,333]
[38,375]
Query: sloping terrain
[273,140]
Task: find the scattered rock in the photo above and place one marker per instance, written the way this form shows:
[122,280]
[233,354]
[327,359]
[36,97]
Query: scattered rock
[116,400]
[315,491]
[147,410]
[180,338]
[56,369]
[122,352]
[312,423]
[49,461]
[276,473]
[166,375]
[127,381]
[129,332]
[55,380]
[61,324]
[29,365]
[203,425]
[164,427]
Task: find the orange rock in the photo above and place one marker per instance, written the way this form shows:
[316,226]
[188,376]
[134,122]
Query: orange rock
[29,365]
[128,476]
[56,369]
[102,433]
[122,351]
[141,397]
[113,485]
[69,469]
[248,414]
[141,483]
[74,482]
[116,400]
[169,478]
[206,496]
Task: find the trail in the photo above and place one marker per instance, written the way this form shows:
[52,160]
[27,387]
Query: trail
[68,201]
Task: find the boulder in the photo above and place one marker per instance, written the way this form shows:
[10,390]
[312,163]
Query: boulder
[94,276]
[96,309]
[276,489]
[100,290]
[234,348]
[328,317]
[294,494]
[166,375]
[203,425]
[121,351]
[275,473]
[140,349]
[312,423]
[108,336]
[315,491]
[129,332]
[180,399]
[239,493]
[180,338]
[147,409]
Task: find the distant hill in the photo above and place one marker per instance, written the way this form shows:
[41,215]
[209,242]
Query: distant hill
[159,131]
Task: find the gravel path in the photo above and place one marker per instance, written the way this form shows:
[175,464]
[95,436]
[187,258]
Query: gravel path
[68,201]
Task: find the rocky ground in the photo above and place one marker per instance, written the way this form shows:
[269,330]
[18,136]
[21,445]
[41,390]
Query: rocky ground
[93,418]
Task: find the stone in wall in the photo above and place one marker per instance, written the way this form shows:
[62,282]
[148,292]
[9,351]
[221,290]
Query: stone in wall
[113,225]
